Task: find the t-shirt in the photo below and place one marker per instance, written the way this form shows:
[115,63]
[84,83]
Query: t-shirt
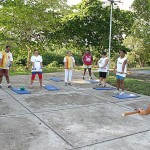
[69,60]
[101,63]
[37,63]
[120,62]
[6,59]
[87,59]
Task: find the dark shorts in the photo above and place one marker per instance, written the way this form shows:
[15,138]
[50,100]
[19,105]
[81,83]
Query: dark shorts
[102,74]
[4,72]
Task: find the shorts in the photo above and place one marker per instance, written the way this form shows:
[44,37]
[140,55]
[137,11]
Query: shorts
[4,72]
[119,77]
[87,66]
[34,74]
[102,74]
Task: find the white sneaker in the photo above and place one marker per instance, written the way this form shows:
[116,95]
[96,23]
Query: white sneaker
[116,92]
[121,93]
[98,84]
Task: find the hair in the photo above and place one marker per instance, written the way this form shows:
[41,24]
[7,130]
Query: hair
[68,52]
[7,46]
[37,50]
[124,51]
[104,53]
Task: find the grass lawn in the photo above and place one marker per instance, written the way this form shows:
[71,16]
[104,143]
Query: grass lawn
[133,85]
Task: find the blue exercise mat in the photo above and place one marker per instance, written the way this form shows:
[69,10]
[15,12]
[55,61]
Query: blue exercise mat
[92,81]
[16,90]
[56,79]
[50,88]
[125,96]
[104,88]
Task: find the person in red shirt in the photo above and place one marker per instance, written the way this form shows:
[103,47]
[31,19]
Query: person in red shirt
[87,60]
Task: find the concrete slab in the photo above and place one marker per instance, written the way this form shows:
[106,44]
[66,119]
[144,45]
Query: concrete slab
[59,100]
[11,107]
[133,142]
[28,133]
[84,126]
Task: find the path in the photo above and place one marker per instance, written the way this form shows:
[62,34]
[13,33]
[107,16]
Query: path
[76,117]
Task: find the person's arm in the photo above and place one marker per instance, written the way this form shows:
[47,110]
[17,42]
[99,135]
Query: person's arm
[65,64]
[32,62]
[123,66]
[11,60]
[83,59]
[74,65]
[0,59]
[106,63]
[145,112]
[41,62]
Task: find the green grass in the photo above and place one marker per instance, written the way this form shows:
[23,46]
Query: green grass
[132,85]
[22,71]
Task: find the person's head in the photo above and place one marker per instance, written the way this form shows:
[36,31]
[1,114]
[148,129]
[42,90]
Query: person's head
[69,53]
[104,54]
[7,48]
[87,52]
[36,52]
[122,53]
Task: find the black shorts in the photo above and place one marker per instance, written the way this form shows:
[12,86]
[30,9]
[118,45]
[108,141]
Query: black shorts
[102,74]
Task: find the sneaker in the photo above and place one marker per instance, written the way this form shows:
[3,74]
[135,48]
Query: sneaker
[66,84]
[83,78]
[98,84]
[90,78]
[0,87]
[116,92]
[31,86]
[9,86]
[70,84]
[121,93]
[104,85]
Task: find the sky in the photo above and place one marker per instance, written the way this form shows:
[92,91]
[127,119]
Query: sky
[124,5]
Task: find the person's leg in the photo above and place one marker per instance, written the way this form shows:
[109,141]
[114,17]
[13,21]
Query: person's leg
[90,73]
[122,86]
[32,78]
[104,78]
[66,76]
[1,75]
[70,76]
[6,73]
[118,84]
[84,71]
[40,78]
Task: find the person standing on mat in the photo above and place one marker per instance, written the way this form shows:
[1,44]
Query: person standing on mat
[120,70]
[6,63]
[69,64]
[87,60]
[36,61]
[103,68]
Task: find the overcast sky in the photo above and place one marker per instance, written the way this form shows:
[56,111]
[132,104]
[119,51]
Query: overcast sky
[125,5]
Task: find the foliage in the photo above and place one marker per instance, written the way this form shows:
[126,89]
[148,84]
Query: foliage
[88,26]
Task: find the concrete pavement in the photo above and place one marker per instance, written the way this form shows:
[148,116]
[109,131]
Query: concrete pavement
[75,117]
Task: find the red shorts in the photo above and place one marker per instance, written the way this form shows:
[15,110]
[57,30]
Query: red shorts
[4,72]
[34,74]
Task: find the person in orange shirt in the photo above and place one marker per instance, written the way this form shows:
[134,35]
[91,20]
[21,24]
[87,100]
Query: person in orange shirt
[6,60]
[69,64]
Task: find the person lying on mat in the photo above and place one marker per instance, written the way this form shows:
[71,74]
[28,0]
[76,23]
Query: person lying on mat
[144,112]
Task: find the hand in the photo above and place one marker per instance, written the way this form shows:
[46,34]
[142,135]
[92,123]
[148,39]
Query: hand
[10,65]
[33,68]
[142,112]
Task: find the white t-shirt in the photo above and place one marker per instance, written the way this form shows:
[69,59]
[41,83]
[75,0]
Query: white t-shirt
[37,63]
[120,62]
[69,63]
[7,60]
[101,63]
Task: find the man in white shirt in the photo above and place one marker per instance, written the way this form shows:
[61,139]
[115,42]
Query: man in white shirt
[103,68]
[36,61]
[6,60]
[120,70]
